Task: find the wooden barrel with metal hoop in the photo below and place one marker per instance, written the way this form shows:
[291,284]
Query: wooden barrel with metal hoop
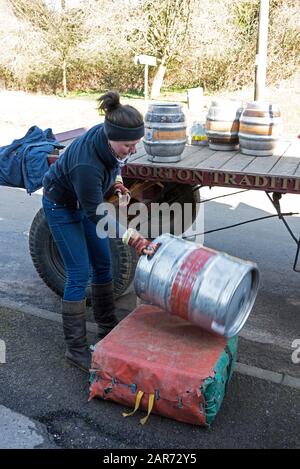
[165,132]
[260,129]
[222,124]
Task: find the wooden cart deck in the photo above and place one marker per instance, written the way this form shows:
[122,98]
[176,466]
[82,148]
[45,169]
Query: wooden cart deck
[201,165]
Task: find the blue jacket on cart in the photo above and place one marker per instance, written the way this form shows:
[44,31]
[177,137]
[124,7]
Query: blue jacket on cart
[23,163]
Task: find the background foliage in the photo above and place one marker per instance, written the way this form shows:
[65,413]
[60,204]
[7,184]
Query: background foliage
[89,45]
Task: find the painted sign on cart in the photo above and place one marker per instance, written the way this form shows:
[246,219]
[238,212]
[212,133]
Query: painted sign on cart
[213,178]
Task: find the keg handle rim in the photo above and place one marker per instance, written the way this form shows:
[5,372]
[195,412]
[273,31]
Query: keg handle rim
[154,247]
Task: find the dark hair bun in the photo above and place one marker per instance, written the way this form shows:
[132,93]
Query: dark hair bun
[123,115]
[109,102]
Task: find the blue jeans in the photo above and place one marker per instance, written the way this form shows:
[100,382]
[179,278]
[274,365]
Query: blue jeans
[80,247]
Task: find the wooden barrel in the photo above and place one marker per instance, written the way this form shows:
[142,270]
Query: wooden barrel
[165,132]
[260,128]
[208,288]
[222,124]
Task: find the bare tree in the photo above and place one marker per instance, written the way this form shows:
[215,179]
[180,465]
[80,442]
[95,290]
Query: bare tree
[165,32]
[62,29]
[18,58]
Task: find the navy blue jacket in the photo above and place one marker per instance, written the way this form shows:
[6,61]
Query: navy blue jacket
[24,162]
[84,173]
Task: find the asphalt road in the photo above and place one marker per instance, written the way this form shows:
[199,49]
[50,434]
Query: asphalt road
[37,384]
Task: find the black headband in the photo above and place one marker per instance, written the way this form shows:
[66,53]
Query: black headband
[117,133]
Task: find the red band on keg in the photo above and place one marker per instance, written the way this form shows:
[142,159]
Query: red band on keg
[184,281]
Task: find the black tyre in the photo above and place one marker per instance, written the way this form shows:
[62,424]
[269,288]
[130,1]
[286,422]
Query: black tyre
[48,262]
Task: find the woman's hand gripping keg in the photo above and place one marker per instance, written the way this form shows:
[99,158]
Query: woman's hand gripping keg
[122,193]
[141,245]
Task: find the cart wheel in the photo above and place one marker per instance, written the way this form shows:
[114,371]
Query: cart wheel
[171,193]
[48,262]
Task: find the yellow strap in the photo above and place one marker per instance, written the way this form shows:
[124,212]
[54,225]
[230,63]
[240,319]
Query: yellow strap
[150,407]
[137,404]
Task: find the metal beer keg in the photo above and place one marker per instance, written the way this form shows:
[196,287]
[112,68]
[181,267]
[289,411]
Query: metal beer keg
[260,128]
[222,124]
[210,289]
[165,132]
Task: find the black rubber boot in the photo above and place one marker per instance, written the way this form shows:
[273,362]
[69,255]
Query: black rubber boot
[74,325]
[104,309]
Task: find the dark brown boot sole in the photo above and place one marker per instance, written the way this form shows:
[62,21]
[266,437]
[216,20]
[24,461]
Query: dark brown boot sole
[77,364]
